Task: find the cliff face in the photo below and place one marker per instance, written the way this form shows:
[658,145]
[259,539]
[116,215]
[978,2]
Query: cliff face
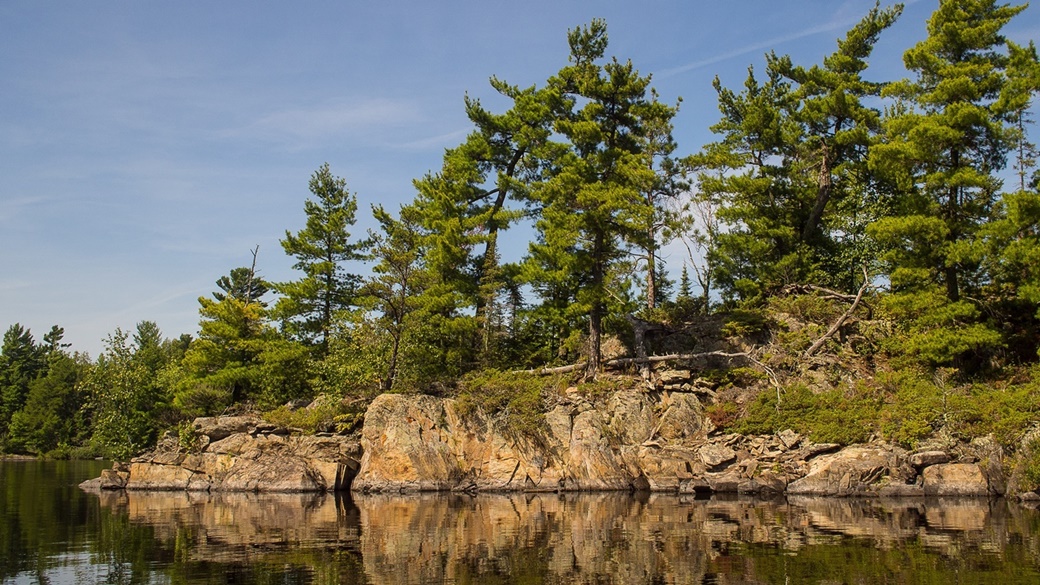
[636,440]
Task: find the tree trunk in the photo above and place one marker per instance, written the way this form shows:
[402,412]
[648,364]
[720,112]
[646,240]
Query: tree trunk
[825,186]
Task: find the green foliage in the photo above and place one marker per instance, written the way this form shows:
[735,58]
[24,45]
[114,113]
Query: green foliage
[592,201]
[125,400]
[809,308]
[786,172]
[516,399]
[55,413]
[243,284]
[826,417]
[238,357]
[390,294]
[307,306]
[935,331]
[357,360]
[1031,466]
[904,406]
[945,139]
[188,440]
[21,362]
[913,407]
[327,413]
[745,323]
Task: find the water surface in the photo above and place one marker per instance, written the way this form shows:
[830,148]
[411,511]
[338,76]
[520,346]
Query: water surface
[54,533]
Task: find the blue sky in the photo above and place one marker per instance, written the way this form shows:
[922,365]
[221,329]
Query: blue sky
[147,147]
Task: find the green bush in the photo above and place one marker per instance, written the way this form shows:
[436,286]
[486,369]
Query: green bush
[326,413]
[517,399]
[827,417]
[745,323]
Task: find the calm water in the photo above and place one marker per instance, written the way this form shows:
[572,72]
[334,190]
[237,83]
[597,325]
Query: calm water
[53,533]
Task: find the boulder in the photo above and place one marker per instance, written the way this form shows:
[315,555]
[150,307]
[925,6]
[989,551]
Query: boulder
[857,470]
[220,427]
[926,458]
[716,455]
[955,479]
[231,456]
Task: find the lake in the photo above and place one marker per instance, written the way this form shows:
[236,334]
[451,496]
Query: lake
[54,533]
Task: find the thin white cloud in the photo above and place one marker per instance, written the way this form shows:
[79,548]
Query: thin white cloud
[12,208]
[15,285]
[319,122]
[752,48]
[446,140]
[847,15]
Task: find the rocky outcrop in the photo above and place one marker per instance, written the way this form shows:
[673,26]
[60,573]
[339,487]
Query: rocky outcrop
[657,440]
[637,440]
[239,454]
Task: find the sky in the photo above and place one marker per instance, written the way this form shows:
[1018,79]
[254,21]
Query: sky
[147,147]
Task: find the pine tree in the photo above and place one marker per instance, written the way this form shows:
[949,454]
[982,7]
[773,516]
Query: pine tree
[22,361]
[791,154]
[946,139]
[309,304]
[592,202]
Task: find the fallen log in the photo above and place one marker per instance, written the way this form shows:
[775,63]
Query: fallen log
[636,360]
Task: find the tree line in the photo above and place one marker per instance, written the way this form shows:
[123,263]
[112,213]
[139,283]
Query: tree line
[922,189]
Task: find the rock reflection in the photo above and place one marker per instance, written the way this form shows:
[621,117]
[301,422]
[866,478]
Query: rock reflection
[239,527]
[601,538]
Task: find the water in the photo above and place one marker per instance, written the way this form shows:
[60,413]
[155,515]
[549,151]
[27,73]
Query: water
[53,533]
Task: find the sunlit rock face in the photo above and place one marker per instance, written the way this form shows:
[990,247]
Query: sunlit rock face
[418,443]
[630,440]
[635,440]
[240,454]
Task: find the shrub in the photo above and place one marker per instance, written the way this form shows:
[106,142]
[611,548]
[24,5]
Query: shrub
[827,417]
[517,399]
[327,413]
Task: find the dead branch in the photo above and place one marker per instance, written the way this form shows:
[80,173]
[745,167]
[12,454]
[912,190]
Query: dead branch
[636,360]
[841,320]
[773,378]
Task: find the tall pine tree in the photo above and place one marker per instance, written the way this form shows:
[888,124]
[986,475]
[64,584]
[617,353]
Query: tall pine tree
[308,305]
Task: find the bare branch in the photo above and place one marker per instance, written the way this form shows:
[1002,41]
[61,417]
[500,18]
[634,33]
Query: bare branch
[629,361]
[841,320]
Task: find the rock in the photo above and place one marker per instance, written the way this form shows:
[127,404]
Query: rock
[683,421]
[632,439]
[219,427]
[789,439]
[855,470]
[926,458]
[113,479]
[157,477]
[240,461]
[955,479]
[404,448]
[812,450]
[716,455]
[673,377]
[991,461]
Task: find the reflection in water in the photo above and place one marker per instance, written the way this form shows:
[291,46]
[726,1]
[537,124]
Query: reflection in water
[54,534]
[592,538]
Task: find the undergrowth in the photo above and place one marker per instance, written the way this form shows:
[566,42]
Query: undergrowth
[516,399]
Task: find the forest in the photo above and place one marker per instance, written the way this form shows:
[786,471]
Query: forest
[892,228]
